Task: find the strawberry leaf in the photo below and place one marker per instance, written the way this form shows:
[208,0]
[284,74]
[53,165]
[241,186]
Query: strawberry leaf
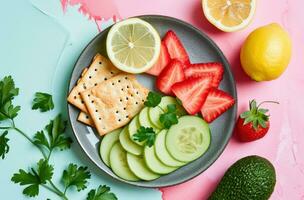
[257,116]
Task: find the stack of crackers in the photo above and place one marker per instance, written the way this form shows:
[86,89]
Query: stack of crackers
[107,97]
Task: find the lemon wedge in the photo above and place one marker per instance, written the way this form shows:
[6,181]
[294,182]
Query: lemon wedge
[229,15]
[133,45]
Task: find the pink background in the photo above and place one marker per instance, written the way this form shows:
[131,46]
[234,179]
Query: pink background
[285,141]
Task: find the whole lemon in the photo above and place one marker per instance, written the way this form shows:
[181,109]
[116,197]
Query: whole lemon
[266,52]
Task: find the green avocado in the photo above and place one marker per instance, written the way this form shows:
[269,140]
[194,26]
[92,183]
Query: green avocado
[250,178]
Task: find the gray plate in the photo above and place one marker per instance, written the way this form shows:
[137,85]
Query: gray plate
[200,49]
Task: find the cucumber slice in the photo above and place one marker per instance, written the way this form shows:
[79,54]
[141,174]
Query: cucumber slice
[119,165]
[128,144]
[144,119]
[154,114]
[139,168]
[171,100]
[189,139]
[162,152]
[133,127]
[106,144]
[154,163]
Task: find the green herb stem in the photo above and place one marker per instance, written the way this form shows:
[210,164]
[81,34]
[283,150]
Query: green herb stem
[6,127]
[161,109]
[267,102]
[49,155]
[62,194]
[55,190]
[30,140]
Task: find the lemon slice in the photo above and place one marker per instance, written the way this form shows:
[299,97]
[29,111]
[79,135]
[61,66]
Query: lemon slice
[229,15]
[133,45]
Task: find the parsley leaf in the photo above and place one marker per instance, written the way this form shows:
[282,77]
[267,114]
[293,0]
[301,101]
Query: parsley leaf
[54,137]
[75,176]
[43,101]
[34,178]
[4,148]
[7,93]
[146,134]
[102,193]
[153,99]
[170,117]
[45,171]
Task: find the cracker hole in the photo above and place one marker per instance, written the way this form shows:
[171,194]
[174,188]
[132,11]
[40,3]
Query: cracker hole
[131,95]
[126,78]
[112,72]
[90,76]
[120,100]
[99,118]
[119,120]
[119,81]
[117,111]
[96,110]
[104,128]
[128,86]
[75,97]
[92,101]
[100,63]
[136,102]
[78,93]
[82,102]
[122,89]
[113,83]
[89,95]
[125,108]
[87,117]
[127,98]
[143,100]
[95,69]
[95,84]
[137,92]
[127,116]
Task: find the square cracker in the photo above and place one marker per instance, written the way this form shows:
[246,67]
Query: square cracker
[100,70]
[113,103]
[86,119]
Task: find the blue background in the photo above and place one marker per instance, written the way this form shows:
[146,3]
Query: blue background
[39,45]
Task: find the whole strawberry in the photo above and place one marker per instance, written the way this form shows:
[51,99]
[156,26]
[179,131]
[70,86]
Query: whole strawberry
[253,124]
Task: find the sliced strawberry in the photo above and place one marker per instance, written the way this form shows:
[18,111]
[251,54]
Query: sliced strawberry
[216,104]
[163,61]
[192,92]
[175,47]
[171,74]
[214,68]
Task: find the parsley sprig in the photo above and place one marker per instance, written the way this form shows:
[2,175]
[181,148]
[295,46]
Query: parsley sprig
[46,141]
[102,193]
[169,117]
[43,102]
[4,148]
[146,135]
[153,99]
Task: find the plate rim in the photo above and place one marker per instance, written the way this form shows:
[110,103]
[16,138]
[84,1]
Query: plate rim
[234,111]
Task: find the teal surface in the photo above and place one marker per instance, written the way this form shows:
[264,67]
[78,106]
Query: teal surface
[38,47]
